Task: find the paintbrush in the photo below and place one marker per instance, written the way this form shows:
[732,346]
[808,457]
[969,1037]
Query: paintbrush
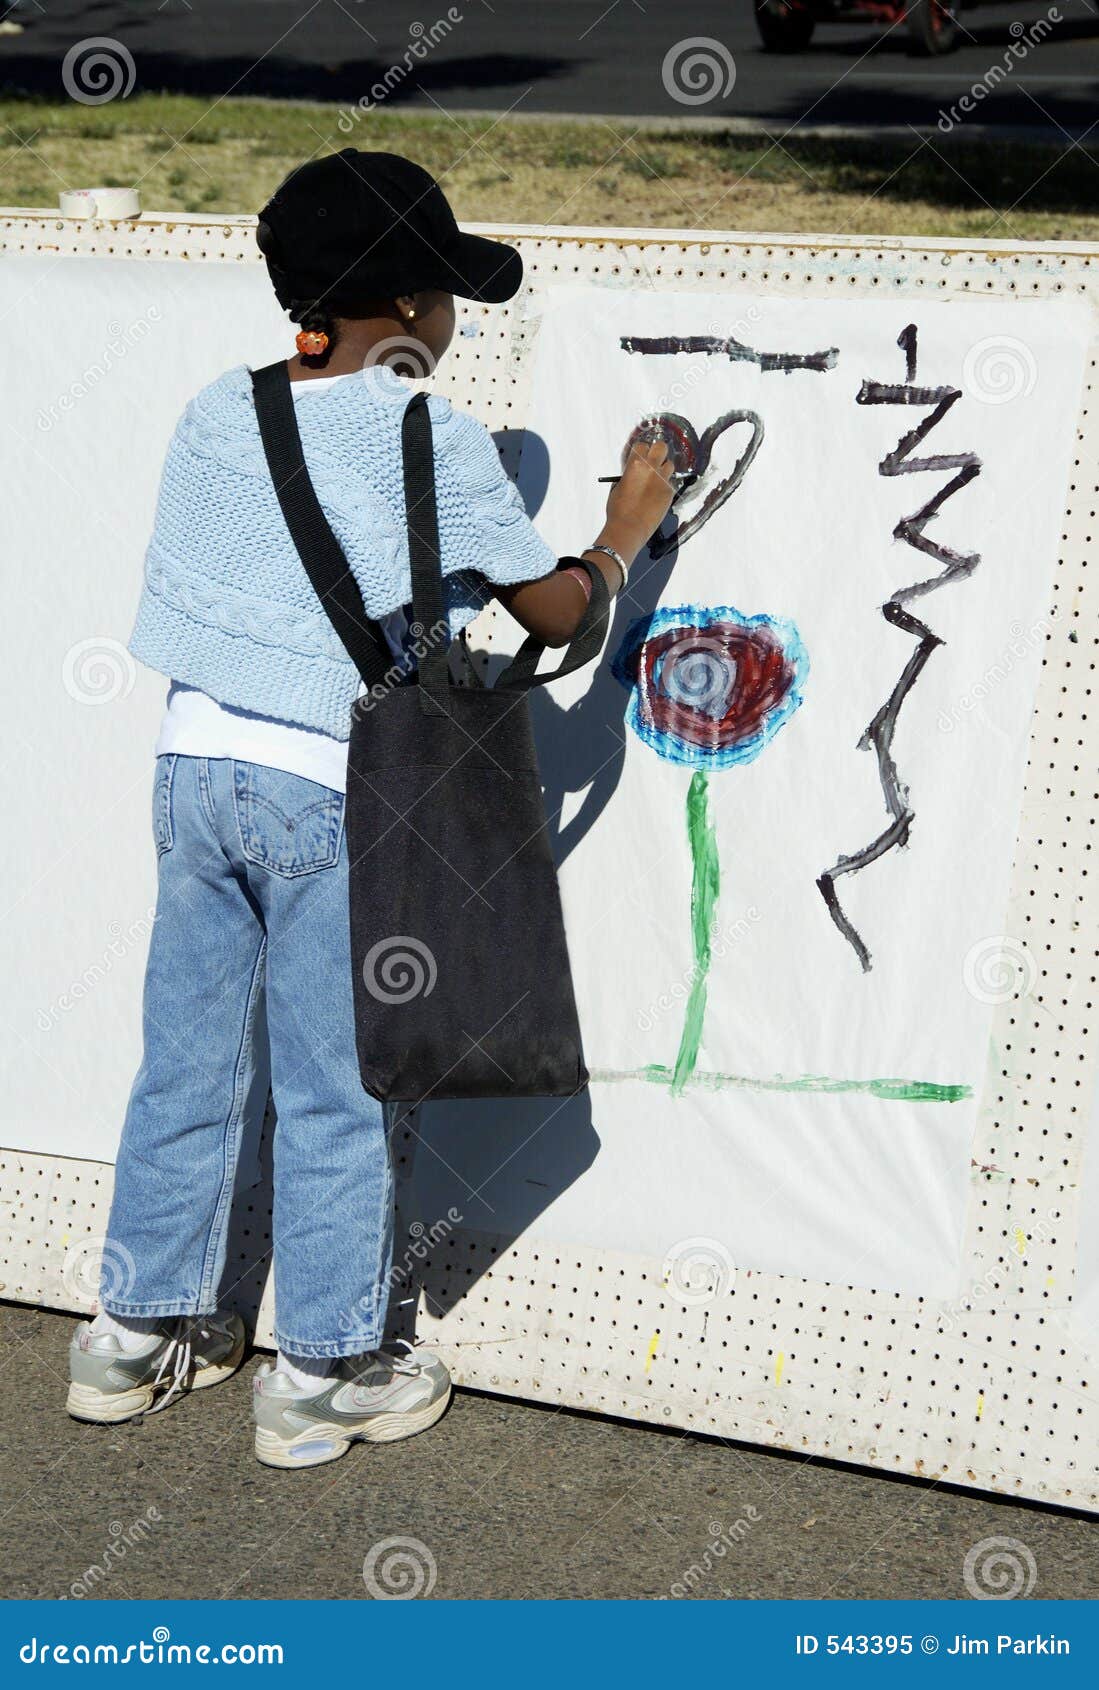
[677,475]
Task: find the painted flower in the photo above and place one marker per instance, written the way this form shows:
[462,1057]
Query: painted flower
[710,688]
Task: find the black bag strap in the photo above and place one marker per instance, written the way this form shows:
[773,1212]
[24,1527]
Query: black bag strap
[317,546]
[424,560]
[427,580]
[584,647]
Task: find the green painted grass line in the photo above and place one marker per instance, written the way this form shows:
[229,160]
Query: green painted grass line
[892,1091]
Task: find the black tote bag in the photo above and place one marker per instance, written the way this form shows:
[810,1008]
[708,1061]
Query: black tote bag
[460,966]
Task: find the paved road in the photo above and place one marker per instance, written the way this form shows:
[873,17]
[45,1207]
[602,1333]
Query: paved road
[596,56]
[507,1501]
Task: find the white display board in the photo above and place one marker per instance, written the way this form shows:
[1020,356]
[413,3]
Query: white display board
[849,1223]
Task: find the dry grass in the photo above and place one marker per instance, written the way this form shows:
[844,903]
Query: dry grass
[187,155]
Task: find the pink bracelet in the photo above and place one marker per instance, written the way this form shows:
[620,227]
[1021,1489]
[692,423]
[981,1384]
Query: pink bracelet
[582,576]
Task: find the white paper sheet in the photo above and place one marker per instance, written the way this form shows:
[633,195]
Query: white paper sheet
[826,1125]
[90,401]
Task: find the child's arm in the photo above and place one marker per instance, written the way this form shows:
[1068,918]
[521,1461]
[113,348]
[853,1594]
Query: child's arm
[551,608]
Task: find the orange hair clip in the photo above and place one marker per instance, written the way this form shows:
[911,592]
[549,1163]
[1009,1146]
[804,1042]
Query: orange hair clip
[311,342]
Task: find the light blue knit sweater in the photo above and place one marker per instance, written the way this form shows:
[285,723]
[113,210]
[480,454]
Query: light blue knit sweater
[227,606]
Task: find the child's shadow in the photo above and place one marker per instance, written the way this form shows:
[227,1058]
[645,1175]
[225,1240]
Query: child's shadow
[499,1164]
[581,746]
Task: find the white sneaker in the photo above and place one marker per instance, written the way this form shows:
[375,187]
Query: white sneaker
[378,1398]
[187,1353]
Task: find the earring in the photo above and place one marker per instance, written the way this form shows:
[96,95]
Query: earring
[411,313]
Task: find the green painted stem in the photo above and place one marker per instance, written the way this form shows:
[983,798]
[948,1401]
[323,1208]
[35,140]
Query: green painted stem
[705,885]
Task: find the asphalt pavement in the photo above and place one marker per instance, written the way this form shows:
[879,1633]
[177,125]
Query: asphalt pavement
[614,57]
[500,1499]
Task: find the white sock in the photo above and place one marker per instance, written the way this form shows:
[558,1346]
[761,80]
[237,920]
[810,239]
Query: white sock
[307,1372]
[130,1330]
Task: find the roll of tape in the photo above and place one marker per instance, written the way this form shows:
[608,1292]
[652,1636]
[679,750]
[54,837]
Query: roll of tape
[108,203]
[77,202]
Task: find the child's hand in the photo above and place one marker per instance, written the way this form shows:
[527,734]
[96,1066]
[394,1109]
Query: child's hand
[642,497]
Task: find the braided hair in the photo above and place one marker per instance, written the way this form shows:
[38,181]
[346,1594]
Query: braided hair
[312,315]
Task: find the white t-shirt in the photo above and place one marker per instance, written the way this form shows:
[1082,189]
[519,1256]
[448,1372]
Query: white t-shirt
[196,725]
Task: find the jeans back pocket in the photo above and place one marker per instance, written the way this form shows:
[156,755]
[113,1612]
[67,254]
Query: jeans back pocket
[287,824]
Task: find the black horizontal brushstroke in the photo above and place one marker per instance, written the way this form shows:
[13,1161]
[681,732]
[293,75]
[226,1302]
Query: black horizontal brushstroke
[905,393]
[730,348]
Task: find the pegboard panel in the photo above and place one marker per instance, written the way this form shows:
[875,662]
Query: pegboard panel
[995,1389]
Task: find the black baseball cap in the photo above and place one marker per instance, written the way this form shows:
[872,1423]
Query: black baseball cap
[355,226]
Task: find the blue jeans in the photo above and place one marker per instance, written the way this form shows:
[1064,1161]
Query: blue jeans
[252,904]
